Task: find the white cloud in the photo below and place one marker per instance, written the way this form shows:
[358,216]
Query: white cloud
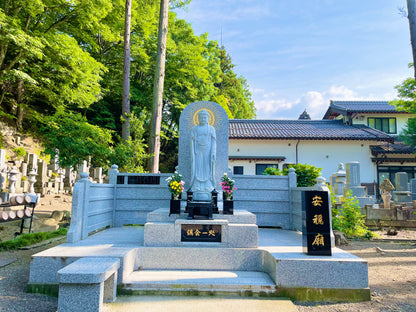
[316,103]
[268,106]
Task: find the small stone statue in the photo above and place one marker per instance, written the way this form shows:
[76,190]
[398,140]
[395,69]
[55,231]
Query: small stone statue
[203,151]
[386,187]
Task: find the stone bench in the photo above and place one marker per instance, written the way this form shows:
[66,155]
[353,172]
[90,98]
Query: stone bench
[86,283]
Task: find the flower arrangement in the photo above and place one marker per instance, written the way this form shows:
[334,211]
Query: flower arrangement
[228,187]
[175,185]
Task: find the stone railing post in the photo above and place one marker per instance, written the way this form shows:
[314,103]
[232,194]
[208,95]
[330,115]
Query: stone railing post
[292,177]
[113,174]
[79,212]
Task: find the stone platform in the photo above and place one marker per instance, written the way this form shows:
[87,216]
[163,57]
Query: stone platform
[232,231]
[277,267]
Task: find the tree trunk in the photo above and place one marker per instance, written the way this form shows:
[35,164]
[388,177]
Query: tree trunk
[20,111]
[411,15]
[158,87]
[125,131]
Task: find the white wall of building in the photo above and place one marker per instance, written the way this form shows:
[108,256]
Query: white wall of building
[326,154]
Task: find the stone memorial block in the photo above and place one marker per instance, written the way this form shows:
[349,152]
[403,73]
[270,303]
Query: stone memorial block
[42,171]
[402,181]
[353,174]
[188,127]
[353,182]
[316,227]
[32,161]
[98,174]
[2,158]
[23,169]
[339,184]
[402,193]
[82,167]
[413,188]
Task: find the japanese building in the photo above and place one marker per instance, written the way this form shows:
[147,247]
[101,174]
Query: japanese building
[361,131]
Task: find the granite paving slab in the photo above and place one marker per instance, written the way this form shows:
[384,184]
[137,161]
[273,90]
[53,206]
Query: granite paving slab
[192,304]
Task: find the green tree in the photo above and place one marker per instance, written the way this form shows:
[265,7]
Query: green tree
[42,65]
[234,89]
[71,137]
[407,103]
[130,155]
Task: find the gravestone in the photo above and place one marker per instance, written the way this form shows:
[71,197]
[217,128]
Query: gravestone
[353,184]
[413,188]
[339,183]
[402,193]
[353,180]
[2,158]
[42,179]
[23,169]
[32,161]
[189,119]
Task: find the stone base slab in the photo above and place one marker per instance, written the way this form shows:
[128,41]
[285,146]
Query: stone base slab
[168,234]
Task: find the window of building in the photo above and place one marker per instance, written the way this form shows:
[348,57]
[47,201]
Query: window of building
[388,172]
[238,169]
[387,125]
[261,167]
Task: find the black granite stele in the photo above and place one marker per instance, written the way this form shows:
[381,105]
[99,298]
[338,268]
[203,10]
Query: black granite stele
[228,207]
[316,223]
[201,233]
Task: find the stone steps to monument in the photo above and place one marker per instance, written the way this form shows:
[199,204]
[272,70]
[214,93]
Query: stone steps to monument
[197,258]
[198,281]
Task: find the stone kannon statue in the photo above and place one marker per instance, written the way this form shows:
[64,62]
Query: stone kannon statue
[203,151]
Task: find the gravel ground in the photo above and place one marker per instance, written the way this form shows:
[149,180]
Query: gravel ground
[13,280]
[392,274]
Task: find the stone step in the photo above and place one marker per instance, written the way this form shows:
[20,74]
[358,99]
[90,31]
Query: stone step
[191,258]
[200,281]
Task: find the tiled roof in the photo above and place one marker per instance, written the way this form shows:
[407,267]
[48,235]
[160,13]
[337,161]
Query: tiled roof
[302,129]
[392,148]
[348,107]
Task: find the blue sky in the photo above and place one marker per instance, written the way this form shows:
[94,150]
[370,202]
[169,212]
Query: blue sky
[300,54]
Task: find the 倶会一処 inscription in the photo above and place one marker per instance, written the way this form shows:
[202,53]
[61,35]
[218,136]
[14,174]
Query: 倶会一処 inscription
[201,233]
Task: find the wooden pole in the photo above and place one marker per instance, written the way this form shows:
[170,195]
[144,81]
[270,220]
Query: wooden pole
[158,87]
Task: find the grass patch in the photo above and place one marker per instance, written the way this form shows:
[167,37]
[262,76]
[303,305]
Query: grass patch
[30,239]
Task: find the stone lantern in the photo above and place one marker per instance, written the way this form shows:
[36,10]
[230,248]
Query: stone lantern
[32,180]
[12,180]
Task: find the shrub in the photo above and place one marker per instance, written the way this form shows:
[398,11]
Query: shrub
[349,219]
[272,171]
[20,152]
[306,174]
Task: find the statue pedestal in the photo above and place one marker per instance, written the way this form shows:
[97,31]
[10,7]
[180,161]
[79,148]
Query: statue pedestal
[229,231]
